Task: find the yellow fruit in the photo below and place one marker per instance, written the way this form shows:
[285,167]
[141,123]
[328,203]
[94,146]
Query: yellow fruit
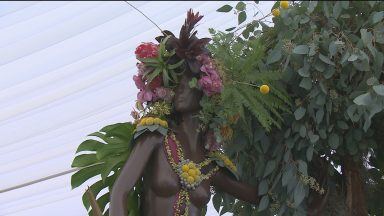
[184,175]
[191,165]
[185,168]
[284,4]
[156,121]
[190,179]
[198,172]
[192,172]
[276,12]
[143,121]
[264,89]
[150,121]
[197,178]
[163,123]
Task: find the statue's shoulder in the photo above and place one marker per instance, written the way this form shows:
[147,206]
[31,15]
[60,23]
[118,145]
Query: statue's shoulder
[223,161]
[150,129]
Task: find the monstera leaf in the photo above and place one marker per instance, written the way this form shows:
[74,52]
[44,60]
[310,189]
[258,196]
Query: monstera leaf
[102,156]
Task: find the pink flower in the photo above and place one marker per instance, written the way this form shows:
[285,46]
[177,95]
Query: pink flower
[139,82]
[145,95]
[210,82]
[161,92]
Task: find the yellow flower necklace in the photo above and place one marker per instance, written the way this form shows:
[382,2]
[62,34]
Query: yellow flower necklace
[189,173]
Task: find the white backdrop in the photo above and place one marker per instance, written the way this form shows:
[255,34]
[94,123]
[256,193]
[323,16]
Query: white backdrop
[66,70]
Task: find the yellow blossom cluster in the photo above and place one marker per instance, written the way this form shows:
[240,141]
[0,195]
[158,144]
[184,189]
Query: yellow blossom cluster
[190,173]
[308,180]
[152,121]
[227,161]
[284,5]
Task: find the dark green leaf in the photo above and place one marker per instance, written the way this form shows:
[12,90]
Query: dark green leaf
[306,83]
[287,175]
[230,29]
[337,8]
[309,152]
[242,17]
[301,49]
[304,71]
[312,6]
[264,202]
[379,89]
[352,57]
[225,8]
[274,56]
[271,165]
[364,99]
[89,145]
[84,160]
[84,174]
[333,140]
[342,125]
[263,187]
[299,194]
[377,17]
[303,131]
[326,60]
[299,113]
[319,116]
[240,6]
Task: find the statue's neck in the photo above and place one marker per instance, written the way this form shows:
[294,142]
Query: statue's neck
[189,133]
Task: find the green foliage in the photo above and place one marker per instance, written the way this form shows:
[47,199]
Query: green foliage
[330,59]
[102,156]
[160,65]
[239,63]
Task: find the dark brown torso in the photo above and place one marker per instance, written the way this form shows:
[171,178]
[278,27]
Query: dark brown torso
[161,185]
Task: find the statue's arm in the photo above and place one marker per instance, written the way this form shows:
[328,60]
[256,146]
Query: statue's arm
[241,190]
[132,171]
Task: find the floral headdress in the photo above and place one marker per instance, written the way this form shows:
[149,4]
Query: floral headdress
[159,68]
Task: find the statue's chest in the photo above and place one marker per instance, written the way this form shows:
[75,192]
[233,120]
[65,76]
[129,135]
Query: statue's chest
[166,183]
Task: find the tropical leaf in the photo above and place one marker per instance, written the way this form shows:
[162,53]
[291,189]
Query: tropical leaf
[106,162]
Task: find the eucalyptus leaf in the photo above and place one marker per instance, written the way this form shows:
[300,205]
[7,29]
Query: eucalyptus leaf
[364,99]
[326,60]
[274,56]
[301,49]
[333,141]
[379,89]
[271,165]
[264,202]
[299,113]
[263,187]
[306,83]
[299,194]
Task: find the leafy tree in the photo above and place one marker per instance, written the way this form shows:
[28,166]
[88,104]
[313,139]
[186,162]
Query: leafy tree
[327,157]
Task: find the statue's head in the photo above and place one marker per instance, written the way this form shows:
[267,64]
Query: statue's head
[187,99]
[175,74]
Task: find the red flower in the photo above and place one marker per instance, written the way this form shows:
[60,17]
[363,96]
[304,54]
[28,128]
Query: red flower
[147,50]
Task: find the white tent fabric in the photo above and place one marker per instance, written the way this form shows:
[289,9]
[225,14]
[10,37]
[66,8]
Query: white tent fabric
[66,70]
